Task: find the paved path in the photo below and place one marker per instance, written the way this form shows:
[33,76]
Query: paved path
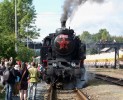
[39,93]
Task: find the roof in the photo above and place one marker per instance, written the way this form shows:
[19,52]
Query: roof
[105,49]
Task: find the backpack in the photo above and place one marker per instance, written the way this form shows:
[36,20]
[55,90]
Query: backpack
[6,75]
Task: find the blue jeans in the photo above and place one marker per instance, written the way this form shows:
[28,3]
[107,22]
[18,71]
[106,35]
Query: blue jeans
[32,87]
[9,90]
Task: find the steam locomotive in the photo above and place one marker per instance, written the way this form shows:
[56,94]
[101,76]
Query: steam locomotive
[62,55]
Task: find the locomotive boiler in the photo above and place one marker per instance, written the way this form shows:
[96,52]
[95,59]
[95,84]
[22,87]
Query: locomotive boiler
[62,55]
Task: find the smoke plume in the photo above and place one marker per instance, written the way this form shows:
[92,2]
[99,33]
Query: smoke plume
[71,5]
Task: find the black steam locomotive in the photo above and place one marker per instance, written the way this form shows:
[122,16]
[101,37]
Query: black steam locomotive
[63,54]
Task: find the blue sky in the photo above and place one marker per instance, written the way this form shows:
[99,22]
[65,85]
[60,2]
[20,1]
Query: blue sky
[88,17]
[48,16]
[48,5]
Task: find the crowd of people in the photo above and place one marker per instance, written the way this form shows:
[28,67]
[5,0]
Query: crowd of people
[20,78]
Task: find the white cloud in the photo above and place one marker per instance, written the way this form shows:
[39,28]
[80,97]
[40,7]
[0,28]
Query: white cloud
[93,16]
[89,17]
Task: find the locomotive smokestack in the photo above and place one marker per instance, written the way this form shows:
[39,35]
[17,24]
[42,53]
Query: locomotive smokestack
[63,23]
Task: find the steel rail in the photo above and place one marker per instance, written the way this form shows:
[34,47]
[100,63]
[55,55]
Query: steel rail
[50,93]
[81,95]
[114,80]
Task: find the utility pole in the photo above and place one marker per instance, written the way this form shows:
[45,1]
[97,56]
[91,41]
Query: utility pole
[27,42]
[34,48]
[27,38]
[16,30]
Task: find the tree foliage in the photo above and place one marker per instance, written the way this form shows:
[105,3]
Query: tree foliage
[26,15]
[91,39]
[117,38]
[103,34]
[25,54]
[7,46]
[6,18]
[86,37]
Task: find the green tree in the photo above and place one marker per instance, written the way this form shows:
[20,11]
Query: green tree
[7,46]
[103,34]
[86,37]
[91,39]
[7,40]
[26,15]
[117,38]
[25,54]
[6,18]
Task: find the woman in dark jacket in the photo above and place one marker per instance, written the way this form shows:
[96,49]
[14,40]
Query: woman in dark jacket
[24,82]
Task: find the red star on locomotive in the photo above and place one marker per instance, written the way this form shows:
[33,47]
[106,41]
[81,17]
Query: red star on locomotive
[63,43]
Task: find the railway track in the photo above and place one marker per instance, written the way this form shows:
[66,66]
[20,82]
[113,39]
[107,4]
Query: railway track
[113,80]
[55,94]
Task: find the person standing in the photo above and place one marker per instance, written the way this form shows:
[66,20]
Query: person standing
[9,84]
[41,70]
[33,80]
[2,69]
[16,90]
[23,82]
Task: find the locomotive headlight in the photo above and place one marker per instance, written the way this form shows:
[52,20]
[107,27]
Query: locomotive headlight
[73,64]
[54,64]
